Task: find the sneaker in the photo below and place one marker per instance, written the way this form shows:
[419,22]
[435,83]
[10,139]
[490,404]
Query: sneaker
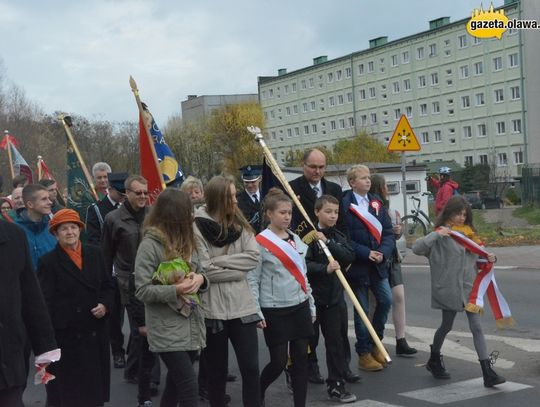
[119,362]
[147,403]
[366,362]
[288,380]
[337,392]
[378,356]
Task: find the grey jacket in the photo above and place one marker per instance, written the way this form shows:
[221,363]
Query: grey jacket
[168,330]
[273,286]
[229,296]
[453,270]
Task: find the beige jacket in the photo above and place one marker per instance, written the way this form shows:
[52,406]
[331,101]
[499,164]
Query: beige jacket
[229,295]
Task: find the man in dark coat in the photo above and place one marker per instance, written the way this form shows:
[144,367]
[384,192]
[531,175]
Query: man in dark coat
[308,187]
[249,200]
[23,314]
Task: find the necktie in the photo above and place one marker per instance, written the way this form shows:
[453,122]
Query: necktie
[255,199]
[316,190]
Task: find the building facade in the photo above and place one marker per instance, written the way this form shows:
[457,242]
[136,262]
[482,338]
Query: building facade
[468,99]
[197,107]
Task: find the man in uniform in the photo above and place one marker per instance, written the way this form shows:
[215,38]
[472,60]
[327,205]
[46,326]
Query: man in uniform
[249,200]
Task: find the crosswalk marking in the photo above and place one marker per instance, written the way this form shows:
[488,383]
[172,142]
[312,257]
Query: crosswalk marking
[460,391]
[371,403]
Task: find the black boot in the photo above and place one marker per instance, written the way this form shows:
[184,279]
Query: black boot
[490,377]
[403,348]
[435,365]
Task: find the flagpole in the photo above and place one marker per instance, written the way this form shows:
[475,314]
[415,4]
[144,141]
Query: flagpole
[8,147]
[39,168]
[66,121]
[147,125]
[279,174]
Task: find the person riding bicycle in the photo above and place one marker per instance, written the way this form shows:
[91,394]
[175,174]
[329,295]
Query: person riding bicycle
[445,187]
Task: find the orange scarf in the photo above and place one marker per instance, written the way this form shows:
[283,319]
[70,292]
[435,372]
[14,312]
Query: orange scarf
[75,254]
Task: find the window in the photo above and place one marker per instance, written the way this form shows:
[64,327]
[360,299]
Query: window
[420,53]
[436,107]
[516,126]
[294,87]
[397,113]
[462,41]
[296,131]
[516,93]
[405,57]
[479,97]
[351,121]
[408,111]
[332,124]
[303,84]
[468,160]
[370,67]
[305,107]
[501,127]
[407,85]
[395,87]
[348,72]
[289,133]
[330,77]
[464,71]
[349,97]
[432,50]
[362,94]
[498,95]
[288,110]
[447,52]
[478,68]
[311,82]
[339,75]
[286,89]
[394,60]
[313,105]
[449,82]
[437,136]
[434,79]
[476,41]
[425,137]
[331,101]
[481,130]
[314,128]
[341,123]
[295,109]
[371,93]
[412,187]
[271,93]
[513,60]
[263,95]
[272,114]
[340,99]
[465,102]
[421,81]
[502,160]
[306,129]
[393,187]
[447,42]
[273,135]
[483,158]
[497,64]
[363,120]
[450,112]
[467,132]
[373,117]
[360,69]
[423,109]
[518,157]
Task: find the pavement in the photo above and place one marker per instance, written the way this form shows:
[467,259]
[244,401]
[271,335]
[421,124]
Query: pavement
[523,257]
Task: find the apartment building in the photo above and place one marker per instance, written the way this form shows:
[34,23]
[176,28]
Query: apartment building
[468,99]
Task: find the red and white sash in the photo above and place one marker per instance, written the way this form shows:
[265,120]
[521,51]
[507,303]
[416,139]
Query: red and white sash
[485,283]
[285,253]
[371,222]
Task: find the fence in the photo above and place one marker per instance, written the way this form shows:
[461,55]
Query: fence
[530,185]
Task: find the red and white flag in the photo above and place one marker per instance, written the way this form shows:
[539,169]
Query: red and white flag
[372,224]
[20,166]
[43,170]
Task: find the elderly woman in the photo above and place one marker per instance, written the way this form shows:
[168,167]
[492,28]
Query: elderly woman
[78,293]
[6,209]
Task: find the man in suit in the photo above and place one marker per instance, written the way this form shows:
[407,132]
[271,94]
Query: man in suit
[95,216]
[23,314]
[308,187]
[249,200]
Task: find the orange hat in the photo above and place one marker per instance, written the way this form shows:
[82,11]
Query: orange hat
[65,216]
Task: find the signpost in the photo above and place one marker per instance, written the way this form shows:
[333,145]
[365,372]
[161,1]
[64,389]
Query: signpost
[403,140]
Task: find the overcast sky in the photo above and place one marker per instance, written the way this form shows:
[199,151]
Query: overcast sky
[76,56]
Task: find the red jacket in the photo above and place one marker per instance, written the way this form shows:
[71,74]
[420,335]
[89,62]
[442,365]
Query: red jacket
[444,193]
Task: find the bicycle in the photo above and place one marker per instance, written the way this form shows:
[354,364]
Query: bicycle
[417,224]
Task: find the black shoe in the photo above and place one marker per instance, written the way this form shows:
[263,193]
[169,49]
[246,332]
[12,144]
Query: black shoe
[154,389]
[119,362]
[403,348]
[490,377]
[351,377]
[337,392]
[435,365]
[203,396]
[231,377]
[314,375]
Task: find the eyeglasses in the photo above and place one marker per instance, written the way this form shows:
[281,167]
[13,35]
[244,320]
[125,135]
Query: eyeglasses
[138,193]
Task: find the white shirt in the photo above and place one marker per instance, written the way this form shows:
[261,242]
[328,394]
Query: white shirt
[257,194]
[319,186]
[363,201]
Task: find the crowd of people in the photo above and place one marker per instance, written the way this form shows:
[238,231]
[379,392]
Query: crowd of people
[205,266]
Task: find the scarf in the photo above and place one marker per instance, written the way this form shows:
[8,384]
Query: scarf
[484,283]
[75,254]
[215,234]
[137,215]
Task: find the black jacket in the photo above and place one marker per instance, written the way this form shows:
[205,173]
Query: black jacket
[302,188]
[93,224]
[22,308]
[250,209]
[326,288]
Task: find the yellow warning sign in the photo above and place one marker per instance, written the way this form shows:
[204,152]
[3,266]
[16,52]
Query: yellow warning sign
[403,138]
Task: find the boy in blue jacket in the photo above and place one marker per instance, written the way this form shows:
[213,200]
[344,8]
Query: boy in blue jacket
[372,238]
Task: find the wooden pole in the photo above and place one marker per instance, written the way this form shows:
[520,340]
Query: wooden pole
[39,168]
[8,147]
[147,126]
[67,124]
[279,174]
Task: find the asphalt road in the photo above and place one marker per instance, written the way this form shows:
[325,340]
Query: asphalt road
[405,382]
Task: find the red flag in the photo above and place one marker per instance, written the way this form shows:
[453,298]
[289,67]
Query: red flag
[149,165]
[43,171]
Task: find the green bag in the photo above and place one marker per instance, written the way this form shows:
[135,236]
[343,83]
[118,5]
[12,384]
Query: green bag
[172,272]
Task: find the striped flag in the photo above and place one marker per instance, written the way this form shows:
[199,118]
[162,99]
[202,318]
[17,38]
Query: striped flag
[18,163]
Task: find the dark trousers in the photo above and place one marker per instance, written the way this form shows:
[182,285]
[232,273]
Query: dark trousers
[147,360]
[181,384]
[331,323]
[244,340]
[11,397]
[116,321]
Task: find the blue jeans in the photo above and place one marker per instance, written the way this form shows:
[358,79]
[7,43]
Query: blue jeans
[383,296]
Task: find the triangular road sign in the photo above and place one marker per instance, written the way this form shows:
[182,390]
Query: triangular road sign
[403,138]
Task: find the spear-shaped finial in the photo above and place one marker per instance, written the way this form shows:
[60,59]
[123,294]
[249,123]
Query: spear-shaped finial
[133,85]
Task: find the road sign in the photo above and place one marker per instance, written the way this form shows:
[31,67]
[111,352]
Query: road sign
[403,138]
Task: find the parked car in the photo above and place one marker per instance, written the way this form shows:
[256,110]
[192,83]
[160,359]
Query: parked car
[482,200]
